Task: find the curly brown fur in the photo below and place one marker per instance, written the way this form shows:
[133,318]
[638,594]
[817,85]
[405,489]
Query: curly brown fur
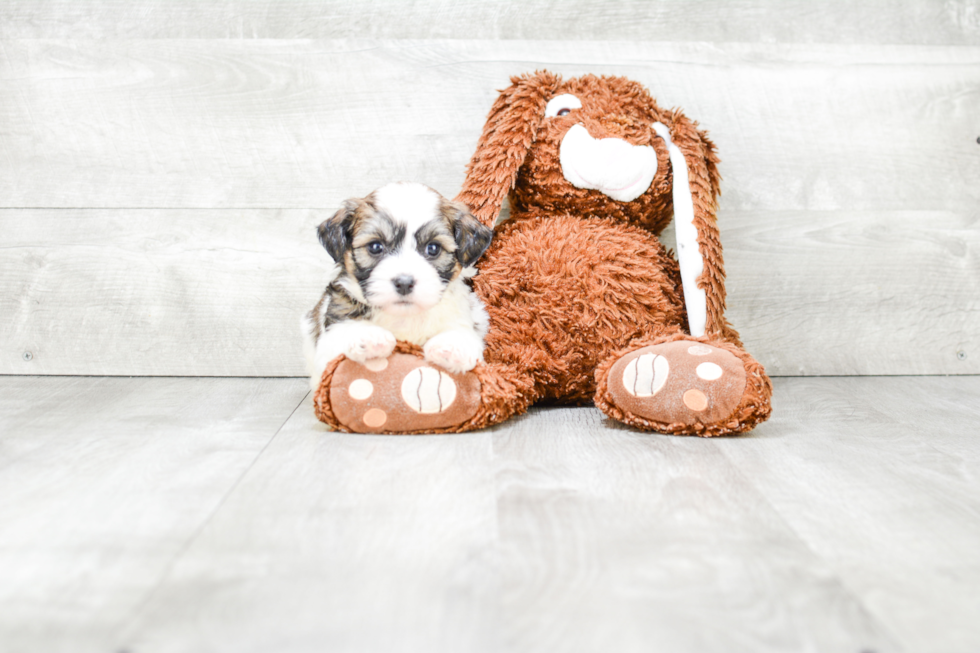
[322,407]
[559,304]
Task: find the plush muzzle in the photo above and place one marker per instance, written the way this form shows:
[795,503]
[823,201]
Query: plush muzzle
[609,165]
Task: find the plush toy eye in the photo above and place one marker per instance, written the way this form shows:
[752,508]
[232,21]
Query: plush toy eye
[375,248]
[562,105]
[432,250]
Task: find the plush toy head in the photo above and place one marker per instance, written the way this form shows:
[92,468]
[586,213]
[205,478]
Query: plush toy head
[601,146]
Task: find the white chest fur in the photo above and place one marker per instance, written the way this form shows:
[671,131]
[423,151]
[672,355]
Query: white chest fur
[455,310]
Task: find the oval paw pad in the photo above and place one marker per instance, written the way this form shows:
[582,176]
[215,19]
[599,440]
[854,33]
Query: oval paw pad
[678,382]
[709,371]
[360,389]
[645,376]
[375,418]
[426,390]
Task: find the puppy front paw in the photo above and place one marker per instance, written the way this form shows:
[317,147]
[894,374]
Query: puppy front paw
[453,351]
[370,342]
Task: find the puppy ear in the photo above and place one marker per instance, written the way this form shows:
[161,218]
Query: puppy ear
[336,231]
[508,134]
[472,237]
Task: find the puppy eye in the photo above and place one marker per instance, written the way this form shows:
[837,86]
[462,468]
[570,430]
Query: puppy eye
[562,105]
[375,248]
[432,250]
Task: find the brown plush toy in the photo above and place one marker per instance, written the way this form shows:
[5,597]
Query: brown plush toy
[585,303]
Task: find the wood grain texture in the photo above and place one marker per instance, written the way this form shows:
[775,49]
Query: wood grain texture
[162,515]
[767,21]
[220,292]
[848,209]
[157,292]
[301,124]
[338,542]
[616,540]
[104,482]
[881,477]
[842,292]
[811,534]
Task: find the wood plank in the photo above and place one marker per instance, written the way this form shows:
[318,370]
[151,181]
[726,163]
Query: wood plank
[300,124]
[766,21]
[104,482]
[157,292]
[337,542]
[617,540]
[136,516]
[212,292]
[604,538]
[846,292]
[881,476]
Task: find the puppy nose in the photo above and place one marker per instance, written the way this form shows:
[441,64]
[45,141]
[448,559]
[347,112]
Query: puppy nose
[403,284]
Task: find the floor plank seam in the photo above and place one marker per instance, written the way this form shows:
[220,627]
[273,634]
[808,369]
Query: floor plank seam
[122,631]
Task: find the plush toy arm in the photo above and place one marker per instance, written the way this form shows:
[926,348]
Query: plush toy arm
[507,136]
[695,192]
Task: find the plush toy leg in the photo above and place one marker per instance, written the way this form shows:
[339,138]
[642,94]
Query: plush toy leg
[684,386]
[406,394]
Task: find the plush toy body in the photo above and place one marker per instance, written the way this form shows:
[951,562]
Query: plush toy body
[585,303]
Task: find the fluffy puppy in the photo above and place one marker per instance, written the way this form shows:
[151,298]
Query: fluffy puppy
[402,256]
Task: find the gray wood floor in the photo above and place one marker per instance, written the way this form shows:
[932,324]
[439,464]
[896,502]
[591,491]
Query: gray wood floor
[196,514]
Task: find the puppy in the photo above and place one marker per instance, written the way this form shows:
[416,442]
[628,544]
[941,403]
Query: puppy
[401,259]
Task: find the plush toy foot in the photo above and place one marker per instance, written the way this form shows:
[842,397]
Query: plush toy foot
[399,394]
[686,386]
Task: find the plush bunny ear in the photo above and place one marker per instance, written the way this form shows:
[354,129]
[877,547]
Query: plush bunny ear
[695,198]
[507,136]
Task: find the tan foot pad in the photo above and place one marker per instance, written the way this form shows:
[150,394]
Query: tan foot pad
[680,382]
[401,394]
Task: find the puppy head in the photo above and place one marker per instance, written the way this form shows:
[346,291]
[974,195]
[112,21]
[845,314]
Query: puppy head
[400,246]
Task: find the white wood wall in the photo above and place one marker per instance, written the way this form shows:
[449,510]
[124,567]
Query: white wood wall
[163,164]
